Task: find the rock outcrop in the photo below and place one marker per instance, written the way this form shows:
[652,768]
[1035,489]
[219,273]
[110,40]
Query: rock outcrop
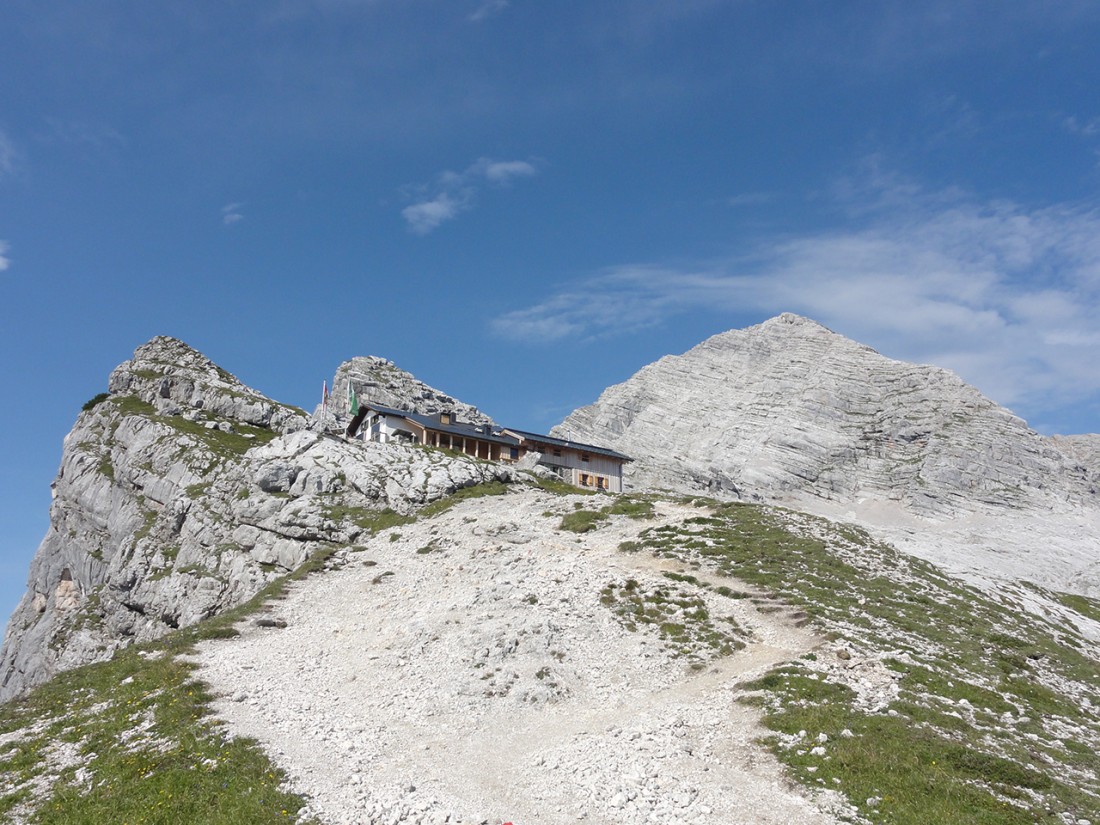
[181,493]
[789,409]
[379,380]
[790,412]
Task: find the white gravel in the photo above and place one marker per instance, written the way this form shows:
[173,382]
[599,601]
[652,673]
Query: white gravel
[482,680]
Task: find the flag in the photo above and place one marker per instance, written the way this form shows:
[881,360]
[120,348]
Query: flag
[353,400]
[324,399]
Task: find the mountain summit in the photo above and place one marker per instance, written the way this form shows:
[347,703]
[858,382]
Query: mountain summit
[182,492]
[790,408]
[791,412]
[281,623]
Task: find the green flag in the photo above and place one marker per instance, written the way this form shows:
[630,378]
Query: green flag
[353,400]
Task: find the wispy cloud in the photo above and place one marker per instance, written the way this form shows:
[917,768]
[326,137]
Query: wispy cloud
[1084,128]
[1007,297]
[5,261]
[425,216]
[8,154]
[76,132]
[453,193]
[488,8]
[231,213]
[751,199]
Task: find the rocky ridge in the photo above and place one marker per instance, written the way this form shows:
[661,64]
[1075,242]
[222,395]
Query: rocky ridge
[381,381]
[790,412]
[789,407]
[181,493]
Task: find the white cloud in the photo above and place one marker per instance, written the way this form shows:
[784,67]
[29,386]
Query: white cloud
[455,192]
[1007,297]
[5,261]
[504,171]
[425,216]
[1086,128]
[8,154]
[231,213]
[489,8]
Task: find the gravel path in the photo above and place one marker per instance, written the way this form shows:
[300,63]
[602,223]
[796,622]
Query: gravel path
[464,670]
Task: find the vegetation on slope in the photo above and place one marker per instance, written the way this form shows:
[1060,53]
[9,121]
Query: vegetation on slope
[989,714]
[133,739]
[992,717]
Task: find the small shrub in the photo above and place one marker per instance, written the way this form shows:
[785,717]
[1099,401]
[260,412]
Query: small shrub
[95,401]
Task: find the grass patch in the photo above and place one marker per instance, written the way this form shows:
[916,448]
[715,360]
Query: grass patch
[106,468]
[678,614]
[987,692]
[223,444]
[145,748]
[894,771]
[1089,608]
[366,518]
[559,487]
[634,506]
[582,521]
[489,488]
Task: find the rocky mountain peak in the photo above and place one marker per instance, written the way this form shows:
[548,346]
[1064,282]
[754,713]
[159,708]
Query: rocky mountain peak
[381,381]
[175,379]
[791,409]
[183,491]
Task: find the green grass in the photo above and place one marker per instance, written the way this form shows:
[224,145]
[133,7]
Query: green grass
[1089,608]
[632,505]
[95,401]
[106,467]
[222,444]
[559,487]
[183,768]
[489,488]
[962,660]
[678,614]
[582,521]
[366,517]
[914,773]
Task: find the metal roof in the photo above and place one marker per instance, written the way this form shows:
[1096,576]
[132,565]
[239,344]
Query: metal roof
[501,435]
[483,432]
[564,442]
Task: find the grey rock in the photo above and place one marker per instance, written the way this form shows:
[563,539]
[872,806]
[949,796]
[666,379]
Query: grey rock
[789,410]
[183,494]
[379,380]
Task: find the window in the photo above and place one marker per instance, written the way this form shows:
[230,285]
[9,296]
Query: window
[584,457]
[513,453]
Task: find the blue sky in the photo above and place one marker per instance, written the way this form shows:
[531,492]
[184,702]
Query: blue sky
[522,203]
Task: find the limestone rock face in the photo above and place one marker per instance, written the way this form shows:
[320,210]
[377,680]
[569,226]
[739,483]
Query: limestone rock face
[1084,453]
[379,380]
[175,378]
[789,410]
[181,495]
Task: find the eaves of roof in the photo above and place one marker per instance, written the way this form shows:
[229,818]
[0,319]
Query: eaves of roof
[563,442]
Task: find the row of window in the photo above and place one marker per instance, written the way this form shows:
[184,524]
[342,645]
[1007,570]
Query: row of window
[595,481]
